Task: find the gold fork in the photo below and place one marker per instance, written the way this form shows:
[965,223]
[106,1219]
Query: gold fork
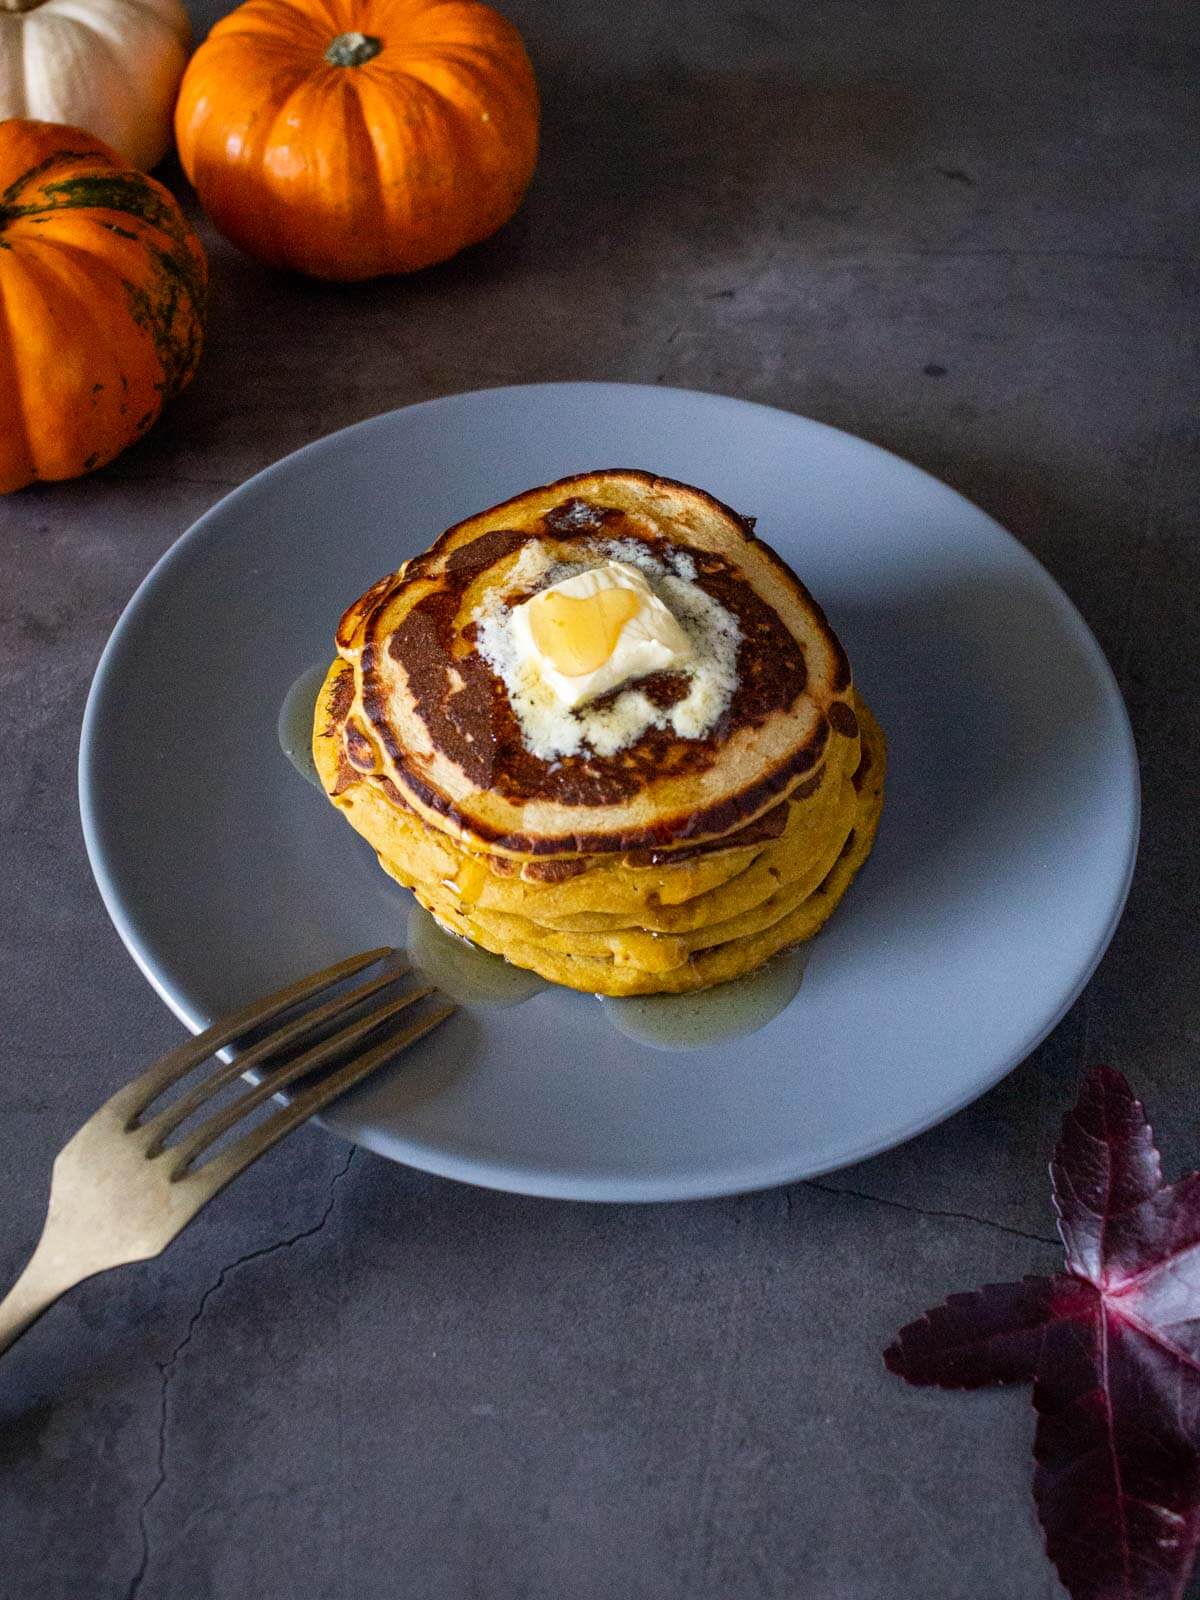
[121,1193]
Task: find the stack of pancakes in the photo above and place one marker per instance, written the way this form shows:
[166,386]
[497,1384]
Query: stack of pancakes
[668,866]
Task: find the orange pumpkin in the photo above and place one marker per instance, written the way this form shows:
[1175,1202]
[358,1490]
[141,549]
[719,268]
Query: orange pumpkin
[102,287]
[349,138]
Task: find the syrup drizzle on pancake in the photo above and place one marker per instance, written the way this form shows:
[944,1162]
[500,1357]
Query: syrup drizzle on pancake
[577,636]
[699,689]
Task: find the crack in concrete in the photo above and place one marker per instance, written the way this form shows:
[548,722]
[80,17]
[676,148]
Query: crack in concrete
[166,1369]
[928,1211]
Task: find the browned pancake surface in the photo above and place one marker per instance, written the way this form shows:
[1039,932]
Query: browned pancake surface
[466,710]
[454,749]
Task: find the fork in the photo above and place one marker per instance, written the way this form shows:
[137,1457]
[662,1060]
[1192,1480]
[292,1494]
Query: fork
[120,1192]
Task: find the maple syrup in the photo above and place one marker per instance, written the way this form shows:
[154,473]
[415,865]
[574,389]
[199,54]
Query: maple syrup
[578,634]
[295,725]
[711,1016]
[469,882]
[460,969]
[475,977]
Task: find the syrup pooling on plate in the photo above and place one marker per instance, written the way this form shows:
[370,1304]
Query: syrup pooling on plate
[467,974]
[473,977]
[295,723]
[710,1016]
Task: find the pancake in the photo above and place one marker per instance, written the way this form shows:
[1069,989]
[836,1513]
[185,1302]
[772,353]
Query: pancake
[648,850]
[721,963]
[430,716]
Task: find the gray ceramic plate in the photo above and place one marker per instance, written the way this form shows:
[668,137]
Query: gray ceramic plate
[1006,849]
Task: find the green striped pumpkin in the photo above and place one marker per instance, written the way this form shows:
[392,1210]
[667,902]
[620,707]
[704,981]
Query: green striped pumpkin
[102,291]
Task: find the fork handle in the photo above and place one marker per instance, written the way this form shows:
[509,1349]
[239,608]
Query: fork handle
[38,1287]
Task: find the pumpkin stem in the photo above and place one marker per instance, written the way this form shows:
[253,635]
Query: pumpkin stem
[347,50]
[19,5]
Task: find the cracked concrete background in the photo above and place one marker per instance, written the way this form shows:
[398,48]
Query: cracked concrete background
[966,233]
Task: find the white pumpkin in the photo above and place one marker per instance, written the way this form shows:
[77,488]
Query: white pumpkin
[111,67]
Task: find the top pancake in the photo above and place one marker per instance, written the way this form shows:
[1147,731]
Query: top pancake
[424,711]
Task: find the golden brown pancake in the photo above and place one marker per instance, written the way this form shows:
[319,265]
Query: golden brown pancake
[670,864]
[430,716]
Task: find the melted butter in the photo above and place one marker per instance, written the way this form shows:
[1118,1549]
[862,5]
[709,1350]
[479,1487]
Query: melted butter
[604,709]
[467,974]
[295,726]
[713,1016]
[578,634]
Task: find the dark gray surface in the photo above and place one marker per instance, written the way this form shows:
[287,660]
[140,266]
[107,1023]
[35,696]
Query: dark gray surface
[352,1380]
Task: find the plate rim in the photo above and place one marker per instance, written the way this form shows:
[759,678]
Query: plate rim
[551,1183]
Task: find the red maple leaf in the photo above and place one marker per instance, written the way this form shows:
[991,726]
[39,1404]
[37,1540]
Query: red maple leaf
[1112,1347]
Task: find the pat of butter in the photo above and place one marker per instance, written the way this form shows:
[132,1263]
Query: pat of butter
[597,630]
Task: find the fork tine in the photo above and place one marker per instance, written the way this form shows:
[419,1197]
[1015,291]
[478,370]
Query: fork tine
[279,1077]
[235,1158]
[163,1125]
[135,1097]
